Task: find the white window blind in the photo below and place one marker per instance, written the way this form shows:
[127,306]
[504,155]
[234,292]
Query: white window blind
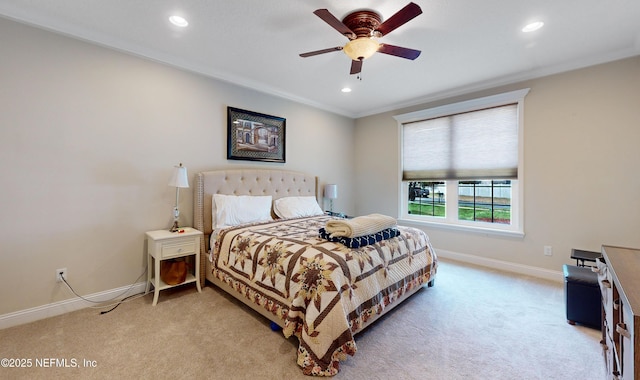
[481,144]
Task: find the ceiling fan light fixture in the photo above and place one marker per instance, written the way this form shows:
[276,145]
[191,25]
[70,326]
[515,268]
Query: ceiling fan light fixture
[361,48]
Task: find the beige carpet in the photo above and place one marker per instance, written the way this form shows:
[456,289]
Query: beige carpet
[474,324]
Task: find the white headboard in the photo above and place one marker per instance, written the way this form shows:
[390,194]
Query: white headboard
[277,183]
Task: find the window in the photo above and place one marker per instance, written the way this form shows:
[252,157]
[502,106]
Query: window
[426,198]
[485,201]
[462,164]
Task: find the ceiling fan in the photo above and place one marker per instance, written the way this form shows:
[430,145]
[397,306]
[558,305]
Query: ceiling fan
[362,28]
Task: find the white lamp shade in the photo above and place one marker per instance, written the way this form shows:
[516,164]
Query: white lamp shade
[331,191]
[179,177]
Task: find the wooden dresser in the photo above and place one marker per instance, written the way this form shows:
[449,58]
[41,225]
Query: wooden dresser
[619,279]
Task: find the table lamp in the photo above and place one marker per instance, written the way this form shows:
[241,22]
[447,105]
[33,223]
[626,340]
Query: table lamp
[331,193]
[178,179]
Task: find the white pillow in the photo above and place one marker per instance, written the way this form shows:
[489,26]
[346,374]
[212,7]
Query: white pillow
[296,207]
[231,210]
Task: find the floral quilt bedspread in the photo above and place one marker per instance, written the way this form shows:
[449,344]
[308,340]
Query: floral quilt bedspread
[323,291]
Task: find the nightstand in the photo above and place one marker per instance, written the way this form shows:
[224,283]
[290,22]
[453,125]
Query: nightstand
[163,245]
[337,214]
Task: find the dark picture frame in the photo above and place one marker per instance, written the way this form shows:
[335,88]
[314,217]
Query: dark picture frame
[255,136]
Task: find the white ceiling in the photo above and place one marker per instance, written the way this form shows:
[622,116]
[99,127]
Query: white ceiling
[466,44]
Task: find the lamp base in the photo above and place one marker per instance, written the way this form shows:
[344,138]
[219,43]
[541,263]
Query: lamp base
[176,215]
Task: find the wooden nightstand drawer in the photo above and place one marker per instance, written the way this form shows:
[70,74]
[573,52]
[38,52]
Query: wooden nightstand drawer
[178,248]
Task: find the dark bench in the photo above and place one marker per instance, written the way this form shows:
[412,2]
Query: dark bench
[582,296]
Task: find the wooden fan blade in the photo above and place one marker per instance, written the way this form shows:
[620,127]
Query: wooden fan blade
[336,24]
[312,53]
[398,51]
[400,18]
[356,67]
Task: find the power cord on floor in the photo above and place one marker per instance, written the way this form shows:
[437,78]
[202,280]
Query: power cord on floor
[117,303]
[125,299]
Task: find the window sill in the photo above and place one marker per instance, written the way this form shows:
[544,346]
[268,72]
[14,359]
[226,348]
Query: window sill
[460,228]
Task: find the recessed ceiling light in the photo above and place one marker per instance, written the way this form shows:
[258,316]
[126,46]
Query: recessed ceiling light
[533,26]
[346,89]
[178,21]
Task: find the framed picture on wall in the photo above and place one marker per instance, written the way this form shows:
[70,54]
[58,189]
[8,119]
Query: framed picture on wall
[255,136]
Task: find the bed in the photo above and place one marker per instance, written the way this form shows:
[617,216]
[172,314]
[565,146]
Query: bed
[320,291]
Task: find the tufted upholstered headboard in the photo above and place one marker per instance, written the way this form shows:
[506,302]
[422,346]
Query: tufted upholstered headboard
[274,182]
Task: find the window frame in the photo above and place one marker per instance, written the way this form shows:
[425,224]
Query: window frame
[450,221]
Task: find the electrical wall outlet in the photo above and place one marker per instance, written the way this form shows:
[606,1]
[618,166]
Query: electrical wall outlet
[60,274]
[548,251]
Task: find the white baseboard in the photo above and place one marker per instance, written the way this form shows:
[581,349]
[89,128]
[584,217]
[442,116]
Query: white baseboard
[502,265]
[67,306]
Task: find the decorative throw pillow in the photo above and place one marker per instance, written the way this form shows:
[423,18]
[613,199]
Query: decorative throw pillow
[296,207]
[231,210]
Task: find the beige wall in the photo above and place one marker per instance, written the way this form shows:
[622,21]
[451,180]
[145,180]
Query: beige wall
[88,138]
[581,167]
